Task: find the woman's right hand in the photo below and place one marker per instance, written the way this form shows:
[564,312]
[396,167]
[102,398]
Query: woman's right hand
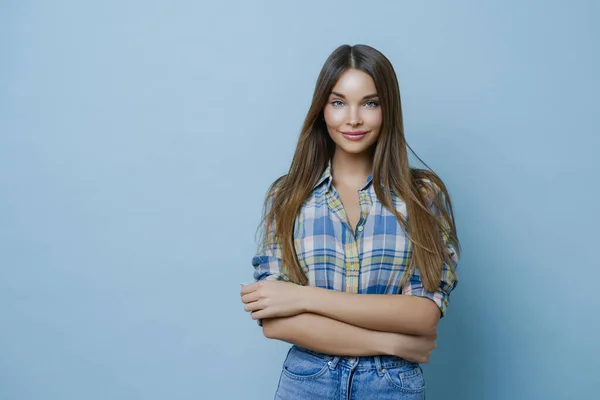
[412,348]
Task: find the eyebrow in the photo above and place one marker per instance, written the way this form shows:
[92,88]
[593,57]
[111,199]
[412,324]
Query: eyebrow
[369,96]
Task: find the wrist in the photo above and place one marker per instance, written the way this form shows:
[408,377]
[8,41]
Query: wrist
[386,343]
[306,298]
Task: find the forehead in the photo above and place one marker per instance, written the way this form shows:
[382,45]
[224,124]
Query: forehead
[355,83]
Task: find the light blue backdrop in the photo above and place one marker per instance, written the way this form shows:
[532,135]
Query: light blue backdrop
[137,140]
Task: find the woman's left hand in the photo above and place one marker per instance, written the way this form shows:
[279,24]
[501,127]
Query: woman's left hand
[271,299]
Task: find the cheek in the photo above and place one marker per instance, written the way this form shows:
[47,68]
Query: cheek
[374,119]
[333,117]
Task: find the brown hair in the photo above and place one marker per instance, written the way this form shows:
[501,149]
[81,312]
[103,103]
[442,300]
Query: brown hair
[427,199]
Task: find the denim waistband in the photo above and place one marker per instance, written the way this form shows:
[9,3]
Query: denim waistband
[360,362]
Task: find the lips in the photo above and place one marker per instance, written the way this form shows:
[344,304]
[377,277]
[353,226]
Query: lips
[355,135]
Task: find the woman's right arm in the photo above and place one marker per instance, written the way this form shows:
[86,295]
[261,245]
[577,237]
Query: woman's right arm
[329,336]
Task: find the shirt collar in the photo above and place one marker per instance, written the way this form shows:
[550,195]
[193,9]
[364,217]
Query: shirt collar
[327,177]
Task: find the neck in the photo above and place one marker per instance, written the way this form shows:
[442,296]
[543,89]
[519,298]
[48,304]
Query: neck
[351,169]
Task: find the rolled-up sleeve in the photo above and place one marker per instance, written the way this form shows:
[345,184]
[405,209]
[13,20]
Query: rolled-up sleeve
[267,265]
[267,260]
[441,296]
[449,281]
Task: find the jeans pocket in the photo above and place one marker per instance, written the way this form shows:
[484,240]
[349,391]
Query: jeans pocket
[303,365]
[408,379]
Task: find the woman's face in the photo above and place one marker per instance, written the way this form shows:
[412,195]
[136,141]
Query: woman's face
[353,114]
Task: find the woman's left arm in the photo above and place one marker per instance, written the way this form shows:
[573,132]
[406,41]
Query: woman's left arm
[400,313]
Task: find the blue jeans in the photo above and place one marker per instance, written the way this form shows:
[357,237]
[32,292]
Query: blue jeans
[308,375]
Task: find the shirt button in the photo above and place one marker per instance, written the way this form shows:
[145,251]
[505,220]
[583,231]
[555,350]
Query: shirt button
[360,228]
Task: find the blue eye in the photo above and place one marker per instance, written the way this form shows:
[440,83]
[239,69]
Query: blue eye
[337,103]
[372,104]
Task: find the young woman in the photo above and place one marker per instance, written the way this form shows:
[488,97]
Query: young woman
[359,254]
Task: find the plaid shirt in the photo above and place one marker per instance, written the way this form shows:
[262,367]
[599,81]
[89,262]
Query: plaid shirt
[373,260]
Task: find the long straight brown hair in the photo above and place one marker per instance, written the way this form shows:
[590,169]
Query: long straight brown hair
[428,204]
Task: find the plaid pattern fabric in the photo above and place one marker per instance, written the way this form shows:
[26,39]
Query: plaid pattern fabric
[371,260]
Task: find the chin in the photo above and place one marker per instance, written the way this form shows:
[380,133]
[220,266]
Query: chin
[356,148]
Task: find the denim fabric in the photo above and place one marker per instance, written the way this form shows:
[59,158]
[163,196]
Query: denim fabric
[309,375]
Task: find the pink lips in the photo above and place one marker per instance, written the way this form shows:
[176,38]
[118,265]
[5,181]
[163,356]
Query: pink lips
[354,135]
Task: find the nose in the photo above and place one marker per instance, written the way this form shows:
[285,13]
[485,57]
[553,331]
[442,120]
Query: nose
[354,117]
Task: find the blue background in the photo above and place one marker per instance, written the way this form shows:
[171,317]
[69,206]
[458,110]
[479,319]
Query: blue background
[138,138]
